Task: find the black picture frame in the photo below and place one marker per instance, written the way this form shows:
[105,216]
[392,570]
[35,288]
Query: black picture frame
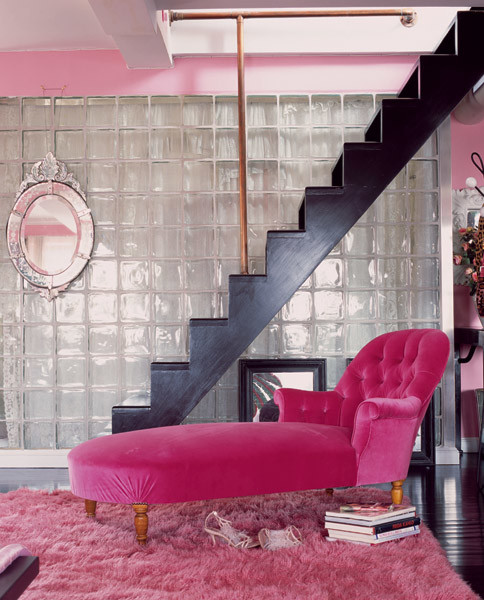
[249,368]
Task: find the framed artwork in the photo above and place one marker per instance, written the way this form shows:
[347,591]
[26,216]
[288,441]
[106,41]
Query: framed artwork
[260,378]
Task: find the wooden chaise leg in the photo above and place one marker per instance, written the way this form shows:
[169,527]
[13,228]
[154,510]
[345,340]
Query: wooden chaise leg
[90,508]
[329,491]
[141,523]
[397,491]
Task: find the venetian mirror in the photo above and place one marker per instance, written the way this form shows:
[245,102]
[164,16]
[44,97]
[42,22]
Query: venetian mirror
[50,231]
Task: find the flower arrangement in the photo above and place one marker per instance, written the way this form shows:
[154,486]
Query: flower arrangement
[468,243]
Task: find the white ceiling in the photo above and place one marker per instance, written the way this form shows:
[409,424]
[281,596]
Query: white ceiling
[140,30]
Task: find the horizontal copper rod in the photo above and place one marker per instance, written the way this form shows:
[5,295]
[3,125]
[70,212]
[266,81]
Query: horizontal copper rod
[275,14]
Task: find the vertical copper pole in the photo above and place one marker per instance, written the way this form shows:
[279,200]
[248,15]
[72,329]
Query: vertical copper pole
[244,259]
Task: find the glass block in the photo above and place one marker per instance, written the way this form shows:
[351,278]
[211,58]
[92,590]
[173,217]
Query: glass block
[167,275]
[103,371]
[9,113]
[227,409]
[393,304]
[103,307]
[335,367]
[296,339]
[289,207]
[299,307]
[263,143]
[133,210]
[11,176]
[166,243]
[168,308]
[392,239]
[424,304]
[166,111]
[101,143]
[261,111]
[197,110]
[294,110]
[101,177]
[262,208]
[392,272]
[227,143]
[424,272]
[71,372]
[201,305]
[133,242]
[71,339]
[424,239]
[166,177]
[198,209]
[11,370]
[70,145]
[9,434]
[329,338]
[328,305]
[423,174]
[133,111]
[205,410]
[97,429]
[134,275]
[354,134]
[101,111]
[226,111]
[36,309]
[358,335]
[198,176]
[70,434]
[360,272]
[78,170]
[9,277]
[267,343]
[360,240]
[360,305]
[134,176]
[134,307]
[38,339]
[391,206]
[199,241]
[104,241]
[167,209]
[135,339]
[10,337]
[103,339]
[262,175]
[135,372]
[325,109]
[326,142]
[39,435]
[227,176]
[9,144]
[321,172]
[69,112]
[225,268]
[103,274]
[227,209]
[101,403]
[329,273]
[358,109]
[294,175]
[200,274]
[169,341]
[38,372]
[429,149]
[198,143]
[166,143]
[424,207]
[70,307]
[36,112]
[35,144]
[294,143]
[133,143]
[39,404]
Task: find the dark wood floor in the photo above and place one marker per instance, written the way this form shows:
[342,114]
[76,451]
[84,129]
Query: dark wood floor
[446,497]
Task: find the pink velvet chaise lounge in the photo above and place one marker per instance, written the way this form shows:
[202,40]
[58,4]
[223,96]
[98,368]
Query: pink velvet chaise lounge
[363,432]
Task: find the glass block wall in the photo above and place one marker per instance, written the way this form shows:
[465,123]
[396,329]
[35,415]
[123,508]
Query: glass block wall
[161,177]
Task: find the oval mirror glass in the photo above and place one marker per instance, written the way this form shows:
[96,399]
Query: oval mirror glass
[50,234]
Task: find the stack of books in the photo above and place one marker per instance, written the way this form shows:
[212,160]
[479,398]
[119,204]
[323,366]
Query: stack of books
[371,524]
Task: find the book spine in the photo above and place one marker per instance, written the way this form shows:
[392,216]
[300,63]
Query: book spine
[396,525]
[390,534]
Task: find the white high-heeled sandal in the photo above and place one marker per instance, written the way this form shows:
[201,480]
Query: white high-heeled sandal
[275,539]
[216,527]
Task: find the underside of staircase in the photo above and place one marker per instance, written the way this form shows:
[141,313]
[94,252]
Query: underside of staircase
[397,131]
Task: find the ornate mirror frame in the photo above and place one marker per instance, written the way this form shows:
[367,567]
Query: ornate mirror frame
[50,177]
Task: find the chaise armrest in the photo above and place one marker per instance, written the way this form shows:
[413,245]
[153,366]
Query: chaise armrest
[300,406]
[384,433]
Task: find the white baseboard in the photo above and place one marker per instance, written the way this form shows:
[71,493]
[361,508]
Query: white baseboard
[447,455]
[470,445]
[29,459]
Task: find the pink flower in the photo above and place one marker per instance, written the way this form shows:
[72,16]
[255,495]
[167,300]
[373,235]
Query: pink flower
[462,230]
[469,270]
[474,276]
[457,259]
[465,246]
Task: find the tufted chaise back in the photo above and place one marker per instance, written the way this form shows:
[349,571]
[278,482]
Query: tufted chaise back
[399,364]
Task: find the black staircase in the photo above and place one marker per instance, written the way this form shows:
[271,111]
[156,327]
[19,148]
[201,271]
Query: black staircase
[362,172]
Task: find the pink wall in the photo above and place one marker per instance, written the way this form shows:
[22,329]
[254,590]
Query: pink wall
[465,140]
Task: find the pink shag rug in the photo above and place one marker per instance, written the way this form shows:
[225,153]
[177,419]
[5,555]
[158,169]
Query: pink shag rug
[83,559]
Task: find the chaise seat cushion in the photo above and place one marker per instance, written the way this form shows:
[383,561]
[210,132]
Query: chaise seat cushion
[212,460]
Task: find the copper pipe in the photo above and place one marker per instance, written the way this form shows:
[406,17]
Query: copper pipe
[244,259]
